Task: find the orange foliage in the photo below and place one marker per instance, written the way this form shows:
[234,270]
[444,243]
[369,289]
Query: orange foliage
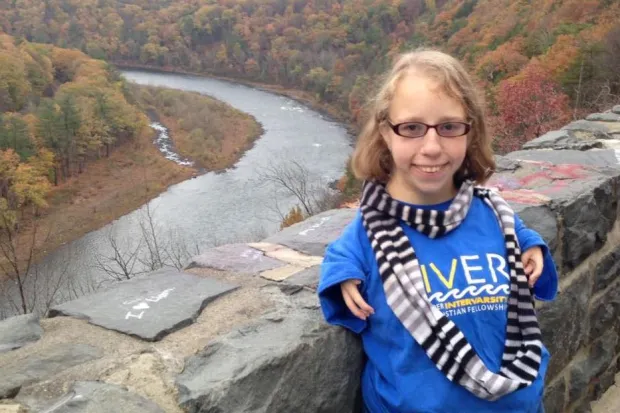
[561,55]
[506,60]
[577,11]
[293,217]
[284,41]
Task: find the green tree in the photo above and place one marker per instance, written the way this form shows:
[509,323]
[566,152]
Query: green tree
[51,131]
[14,135]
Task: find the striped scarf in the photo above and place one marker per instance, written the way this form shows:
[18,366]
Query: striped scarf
[441,339]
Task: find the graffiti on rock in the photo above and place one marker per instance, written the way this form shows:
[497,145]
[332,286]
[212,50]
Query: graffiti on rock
[534,185]
[142,303]
[315,226]
[252,254]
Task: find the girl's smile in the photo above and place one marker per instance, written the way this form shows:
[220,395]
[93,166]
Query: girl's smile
[430,170]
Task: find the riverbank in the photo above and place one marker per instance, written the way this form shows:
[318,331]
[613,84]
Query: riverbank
[137,172]
[210,133]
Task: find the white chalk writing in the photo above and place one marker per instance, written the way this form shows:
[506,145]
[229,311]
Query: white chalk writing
[252,254]
[129,315]
[141,306]
[160,296]
[315,226]
[141,303]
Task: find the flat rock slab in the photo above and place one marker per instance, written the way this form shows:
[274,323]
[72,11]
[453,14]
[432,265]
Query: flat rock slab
[16,332]
[312,235]
[238,258]
[306,278]
[149,307]
[601,130]
[566,139]
[598,157]
[38,367]
[99,397]
[286,254]
[282,273]
[284,363]
[604,117]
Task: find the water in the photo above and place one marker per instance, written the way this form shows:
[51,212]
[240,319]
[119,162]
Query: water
[214,207]
[166,145]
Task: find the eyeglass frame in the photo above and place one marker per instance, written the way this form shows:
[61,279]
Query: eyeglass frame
[428,127]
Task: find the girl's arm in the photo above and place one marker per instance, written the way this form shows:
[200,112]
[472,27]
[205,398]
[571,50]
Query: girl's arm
[546,286]
[343,261]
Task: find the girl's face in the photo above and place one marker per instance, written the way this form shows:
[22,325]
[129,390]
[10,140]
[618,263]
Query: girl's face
[424,166]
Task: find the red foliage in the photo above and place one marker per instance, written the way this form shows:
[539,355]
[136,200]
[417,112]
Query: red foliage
[529,106]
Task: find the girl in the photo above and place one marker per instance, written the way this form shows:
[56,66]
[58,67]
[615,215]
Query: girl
[430,272]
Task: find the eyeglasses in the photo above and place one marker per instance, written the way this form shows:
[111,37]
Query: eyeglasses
[419,129]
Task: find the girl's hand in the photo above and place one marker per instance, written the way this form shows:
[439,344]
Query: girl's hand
[353,299]
[533,264]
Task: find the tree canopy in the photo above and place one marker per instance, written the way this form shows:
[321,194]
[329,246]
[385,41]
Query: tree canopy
[59,108]
[337,48]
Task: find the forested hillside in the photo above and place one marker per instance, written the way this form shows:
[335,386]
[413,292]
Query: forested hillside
[58,110]
[566,51]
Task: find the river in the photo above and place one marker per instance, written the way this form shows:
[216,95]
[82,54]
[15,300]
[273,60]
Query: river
[212,208]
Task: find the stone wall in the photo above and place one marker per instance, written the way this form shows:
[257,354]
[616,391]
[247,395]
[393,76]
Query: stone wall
[240,329]
[582,327]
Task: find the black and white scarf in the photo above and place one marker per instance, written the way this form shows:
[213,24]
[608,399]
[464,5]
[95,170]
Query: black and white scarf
[442,340]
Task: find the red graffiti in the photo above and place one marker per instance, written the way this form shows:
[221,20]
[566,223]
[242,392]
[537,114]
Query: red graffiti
[535,182]
[552,178]
[556,173]
[525,196]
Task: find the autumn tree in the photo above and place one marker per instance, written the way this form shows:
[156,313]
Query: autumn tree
[530,105]
[503,62]
[14,86]
[293,217]
[24,184]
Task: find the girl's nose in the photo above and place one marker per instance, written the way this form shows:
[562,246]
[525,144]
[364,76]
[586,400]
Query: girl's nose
[431,144]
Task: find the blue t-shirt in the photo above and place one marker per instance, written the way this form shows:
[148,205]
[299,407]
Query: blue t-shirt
[465,275]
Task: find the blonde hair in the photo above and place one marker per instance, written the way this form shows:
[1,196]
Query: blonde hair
[372,159]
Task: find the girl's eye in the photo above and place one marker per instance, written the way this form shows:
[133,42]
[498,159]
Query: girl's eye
[414,127]
[452,129]
[412,130]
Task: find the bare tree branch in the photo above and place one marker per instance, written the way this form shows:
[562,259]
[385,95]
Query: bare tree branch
[295,179]
[120,265]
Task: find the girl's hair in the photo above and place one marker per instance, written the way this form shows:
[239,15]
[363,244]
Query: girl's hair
[372,159]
